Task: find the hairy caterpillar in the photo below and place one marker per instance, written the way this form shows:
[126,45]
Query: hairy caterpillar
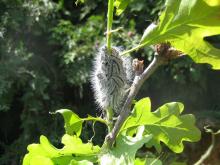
[111,78]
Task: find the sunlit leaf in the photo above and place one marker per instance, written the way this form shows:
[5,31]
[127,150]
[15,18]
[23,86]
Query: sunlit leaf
[153,161]
[36,160]
[139,161]
[83,162]
[121,6]
[125,149]
[73,123]
[74,150]
[185,24]
[166,124]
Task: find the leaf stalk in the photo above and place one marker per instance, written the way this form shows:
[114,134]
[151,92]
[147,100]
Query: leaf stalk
[132,49]
[109,23]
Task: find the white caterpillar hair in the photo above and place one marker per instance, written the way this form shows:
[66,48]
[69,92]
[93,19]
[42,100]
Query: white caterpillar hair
[111,78]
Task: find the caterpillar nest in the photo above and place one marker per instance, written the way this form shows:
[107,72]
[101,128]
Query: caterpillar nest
[111,78]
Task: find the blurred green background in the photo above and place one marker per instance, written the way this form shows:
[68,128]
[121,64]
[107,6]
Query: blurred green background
[46,52]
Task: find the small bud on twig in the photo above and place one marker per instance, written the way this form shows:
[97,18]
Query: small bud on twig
[138,66]
[168,52]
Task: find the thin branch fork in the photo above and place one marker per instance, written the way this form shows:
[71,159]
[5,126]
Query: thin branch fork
[137,83]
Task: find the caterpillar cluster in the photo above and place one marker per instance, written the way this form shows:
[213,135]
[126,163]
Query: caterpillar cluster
[111,78]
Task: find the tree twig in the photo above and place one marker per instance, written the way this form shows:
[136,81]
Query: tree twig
[137,83]
[210,149]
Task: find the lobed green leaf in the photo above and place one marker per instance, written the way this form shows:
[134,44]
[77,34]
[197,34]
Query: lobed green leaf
[73,123]
[185,24]
[166,124]
[125,149]
[73,151]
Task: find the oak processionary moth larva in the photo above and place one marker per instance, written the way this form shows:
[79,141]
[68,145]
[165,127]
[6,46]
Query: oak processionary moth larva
[111,78]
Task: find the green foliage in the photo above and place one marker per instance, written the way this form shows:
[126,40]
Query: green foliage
[78,47]
[121,5]
[182,23]
[73,123]
[165,124]
[151,7]
[125,150]
[73,151]
[45,53]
